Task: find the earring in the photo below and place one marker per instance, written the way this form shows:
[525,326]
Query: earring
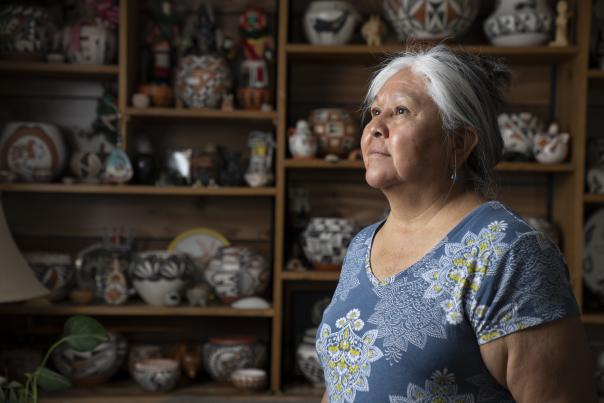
[454,174]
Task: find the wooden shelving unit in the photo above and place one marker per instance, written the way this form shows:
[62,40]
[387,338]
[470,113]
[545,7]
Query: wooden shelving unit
[200,113]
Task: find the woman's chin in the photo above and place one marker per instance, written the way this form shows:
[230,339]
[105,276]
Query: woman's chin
[377,180]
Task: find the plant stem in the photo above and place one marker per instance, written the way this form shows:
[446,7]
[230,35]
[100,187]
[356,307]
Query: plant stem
[34,379]
[27,386]
[50,350]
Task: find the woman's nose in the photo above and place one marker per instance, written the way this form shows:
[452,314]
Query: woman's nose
[378,129]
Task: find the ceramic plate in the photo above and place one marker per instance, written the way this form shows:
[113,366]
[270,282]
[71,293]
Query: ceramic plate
[201,244]
[593,253]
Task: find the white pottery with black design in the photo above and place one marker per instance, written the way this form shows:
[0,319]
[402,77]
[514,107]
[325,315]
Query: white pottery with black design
[55,271]
[330,22]
[90,43]
[519,23]
[157,374]
[87,166]
[237,272]
[223,355]
[430,19]
[201,81]
[307,359]
[25,31]
[160,276]
[518,131]
[91,367]
[325,240]
[34,151]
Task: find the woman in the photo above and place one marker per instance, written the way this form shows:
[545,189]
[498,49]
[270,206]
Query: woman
[452,298]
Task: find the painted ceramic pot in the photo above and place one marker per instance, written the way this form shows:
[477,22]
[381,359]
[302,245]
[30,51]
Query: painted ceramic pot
[325,240]
[201,81]
[308,360]
[90,44]
[26,32]
[88,167]
[330,22]
[519,23]
[91,367]
[249,378]
[160,276]
[118,168]
[35,152]
[142,352]
[517,131]
[550,148]
[335,130]
[237,272]
[430,19]
[302,143]
[157,374]
[222,356]
[54,270]
[595,179]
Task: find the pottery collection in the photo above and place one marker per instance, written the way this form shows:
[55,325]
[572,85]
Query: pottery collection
[430,19]
[325,240]
[160,276]
[335,129]
[91,367]
[34,151]
[201,81]
[302,143]
[157,374]
[54,270]
[519,23]
[237,272]
[25,31]
[308,360]
[223,356]
[330,22]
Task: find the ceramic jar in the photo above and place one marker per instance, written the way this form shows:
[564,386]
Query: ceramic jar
[157,374]
[90,43]
[237,272]
[87,167]
[159,276]
[430,19]
[118,168]
[26,31]
[223,355]
[91,367]
[142,352]
[308,359]
[35,152]
[54,270]
[517,131]
[302,143]
[519,23]
[330,22]
[325,240]
[335,130]
[551,147]
[201,81]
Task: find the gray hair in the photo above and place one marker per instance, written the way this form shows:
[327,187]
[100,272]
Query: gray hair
[467,89]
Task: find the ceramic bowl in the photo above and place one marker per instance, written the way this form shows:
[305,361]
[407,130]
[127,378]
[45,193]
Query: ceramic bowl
[325,241]
[142,352]
[157,374]
[249,378]
[330,22]
[54,270]
[222,356]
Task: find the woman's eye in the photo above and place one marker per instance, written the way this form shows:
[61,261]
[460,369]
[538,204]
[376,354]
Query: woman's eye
[401,110]
[375,112]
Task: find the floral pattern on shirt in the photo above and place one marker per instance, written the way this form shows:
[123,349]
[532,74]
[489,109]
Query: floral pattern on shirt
[440,388]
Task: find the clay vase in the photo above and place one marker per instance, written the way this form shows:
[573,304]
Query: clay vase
[302,143]
[330,22]
[325,240]
[223,355]
[335,130]
[237,272]
[201,81]
[430,19]
[26,31]
[35,152]
[157,374]
[308,360]
[519,23]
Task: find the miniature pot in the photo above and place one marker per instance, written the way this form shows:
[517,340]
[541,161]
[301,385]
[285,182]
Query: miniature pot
[335,130]
[157,374]
[222,356]
[302,144]
[330,22]
[550,148]
[517,131]
[54,270]
[87,166]
[25,32]
[201,81]
[430,19]
[308,359]
[90,44]
[249,378]
[140,353]
[325,240]
[237,272]
[159,276]
[519,23]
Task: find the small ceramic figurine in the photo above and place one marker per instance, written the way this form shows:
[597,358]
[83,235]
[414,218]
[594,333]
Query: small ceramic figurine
[517,131]
[595,179]
[551,147]
[373,31]
[302,143]
[259,172]
[561,38]
[116,289]
[189,357]
[198,294]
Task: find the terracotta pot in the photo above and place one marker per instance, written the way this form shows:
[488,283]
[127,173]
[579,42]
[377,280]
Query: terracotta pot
[519,23]
[325,240]
[335,129]
[222,356]
[330,22]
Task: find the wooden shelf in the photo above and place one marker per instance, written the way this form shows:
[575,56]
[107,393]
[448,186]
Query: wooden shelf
[595,74]
[542,54]
[199,113]
[311,275]
[58,69]
[593,198]
[131,309]
[593,318]
[136,189]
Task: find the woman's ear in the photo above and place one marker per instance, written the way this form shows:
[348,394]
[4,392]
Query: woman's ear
[465,144]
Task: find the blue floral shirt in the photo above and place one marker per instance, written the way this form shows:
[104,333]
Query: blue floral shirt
[415,336]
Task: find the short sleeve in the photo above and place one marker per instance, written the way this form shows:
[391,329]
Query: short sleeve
[526,287]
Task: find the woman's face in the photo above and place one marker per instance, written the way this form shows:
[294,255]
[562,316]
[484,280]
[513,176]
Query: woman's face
[404,141]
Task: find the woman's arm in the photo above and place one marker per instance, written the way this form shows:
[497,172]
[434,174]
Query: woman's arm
[546,363]
[325,398]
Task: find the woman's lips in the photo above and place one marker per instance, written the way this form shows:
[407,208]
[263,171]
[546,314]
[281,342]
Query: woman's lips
[378,154]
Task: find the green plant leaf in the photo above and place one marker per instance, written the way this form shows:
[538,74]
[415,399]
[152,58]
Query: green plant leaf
[3,380]
[2,395]
[83,333]
[13,397]
[52,381]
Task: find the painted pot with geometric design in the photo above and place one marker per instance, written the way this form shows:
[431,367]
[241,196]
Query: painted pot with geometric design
[330,22]
[26,31]
[223,355]
[201,81]
[160,276]
[307,359]
[237,272]
[34,151]
[519,23]
[335,129]
[325,240]
[55,270]
[430,19]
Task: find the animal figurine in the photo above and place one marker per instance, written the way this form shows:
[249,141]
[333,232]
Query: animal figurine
[198,294]
[517,131]
[551,147]
[373,31]
[188,356]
